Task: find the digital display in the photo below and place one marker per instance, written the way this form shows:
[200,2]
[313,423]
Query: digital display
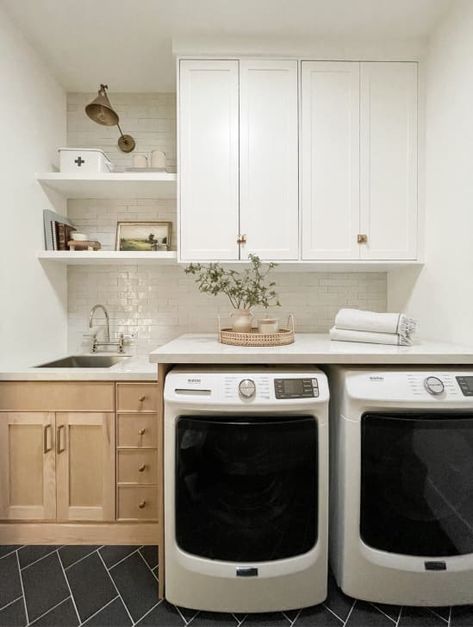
[296,388]
[293,386]
[466,385]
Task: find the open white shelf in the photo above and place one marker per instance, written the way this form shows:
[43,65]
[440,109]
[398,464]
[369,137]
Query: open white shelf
[96,257]
[111,185]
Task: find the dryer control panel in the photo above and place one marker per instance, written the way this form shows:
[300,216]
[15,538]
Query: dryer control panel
[466,385]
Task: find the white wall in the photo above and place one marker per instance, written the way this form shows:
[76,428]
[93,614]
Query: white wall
[33,124]
[441,296]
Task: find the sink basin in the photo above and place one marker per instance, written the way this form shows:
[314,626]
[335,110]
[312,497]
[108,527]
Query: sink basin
[85,361]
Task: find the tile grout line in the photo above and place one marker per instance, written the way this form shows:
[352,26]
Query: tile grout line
[349,614]
[22,588]
[50,610]
[148,566]
[445,620]
[80,558]
[12,551]
[182,616]
[287,618]
[450,616]
[39,559]
[4,607]
[120,561]
[150,610]
[296,618]
[383,613]
[99,610]
[399,617]
[195,616]
[117,590]
[332,612]
[69,588]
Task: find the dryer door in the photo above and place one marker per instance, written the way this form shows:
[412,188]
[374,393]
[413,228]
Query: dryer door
[246,487]
[417,483]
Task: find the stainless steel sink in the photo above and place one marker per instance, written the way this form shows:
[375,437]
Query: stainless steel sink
[85,361]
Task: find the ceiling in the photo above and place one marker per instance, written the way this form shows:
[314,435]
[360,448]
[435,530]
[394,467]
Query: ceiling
[128,43]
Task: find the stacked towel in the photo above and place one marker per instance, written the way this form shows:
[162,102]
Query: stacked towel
[353,325]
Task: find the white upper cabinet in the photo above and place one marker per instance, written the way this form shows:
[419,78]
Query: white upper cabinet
[208,159]
[330,140]
[388,157]
[269,188]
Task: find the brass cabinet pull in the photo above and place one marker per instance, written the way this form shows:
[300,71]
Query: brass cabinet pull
[142,398]
[241,239]
[59,449]
[46,430]
[142,504]
[142,468]
[362,238]
[142,431]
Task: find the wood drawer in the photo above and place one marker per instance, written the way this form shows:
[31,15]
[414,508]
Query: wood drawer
[57,396]
[137,397]
[138,466]
[137,503]
[137,430]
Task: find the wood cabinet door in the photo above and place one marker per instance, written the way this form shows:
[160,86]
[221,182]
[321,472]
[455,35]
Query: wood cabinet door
[208,160]
[269,173]
[27,466]
[388,158]
[330,174]
[85,460]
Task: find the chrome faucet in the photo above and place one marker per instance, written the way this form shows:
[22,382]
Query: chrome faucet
[107,319]
[95,342]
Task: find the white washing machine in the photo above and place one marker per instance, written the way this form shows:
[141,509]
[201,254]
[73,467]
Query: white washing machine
[246,483]
[402,484]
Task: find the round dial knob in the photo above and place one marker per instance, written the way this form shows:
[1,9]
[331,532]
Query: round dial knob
[434,385]
[247,388]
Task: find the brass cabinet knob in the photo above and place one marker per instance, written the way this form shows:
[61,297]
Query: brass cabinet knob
[142,431]
[142,468]
[142,398]
[362,238]
[142,504]
[241,239]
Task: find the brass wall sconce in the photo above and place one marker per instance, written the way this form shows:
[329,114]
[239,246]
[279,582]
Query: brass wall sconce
[101,111]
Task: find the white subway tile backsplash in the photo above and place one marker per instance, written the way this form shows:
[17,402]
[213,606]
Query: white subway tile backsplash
[157,303]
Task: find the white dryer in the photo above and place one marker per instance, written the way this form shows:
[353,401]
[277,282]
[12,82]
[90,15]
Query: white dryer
[402,484]
[246,484]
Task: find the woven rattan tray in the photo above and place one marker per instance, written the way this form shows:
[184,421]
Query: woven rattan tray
[281,338]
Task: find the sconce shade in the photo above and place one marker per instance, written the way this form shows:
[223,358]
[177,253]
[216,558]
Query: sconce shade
[101,111]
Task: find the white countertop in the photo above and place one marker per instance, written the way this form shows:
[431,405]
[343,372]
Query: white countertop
[308,348]
[135,368]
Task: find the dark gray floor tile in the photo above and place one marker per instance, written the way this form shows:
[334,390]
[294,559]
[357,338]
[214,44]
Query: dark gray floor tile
[187,613]
[366,615]
[419,617]
[150,553]
[337,601]
[6,549]
[13,615]
[63,615]
[10,585]
[44,585]
[267,619]
[291,614]
[391,610]
[317,616]
[29,554]
[163,615]
[71,554]
[462,616]
[137,585]
[444,612]
[114,615]
[214,619]
[91,585]
[113,554]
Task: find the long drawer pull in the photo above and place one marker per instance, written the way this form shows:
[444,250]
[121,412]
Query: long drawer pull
[59,448]
[142,504]
[46,430]
[142,468]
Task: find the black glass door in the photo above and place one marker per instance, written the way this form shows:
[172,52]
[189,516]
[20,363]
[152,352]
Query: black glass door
[246,488]
[417,483]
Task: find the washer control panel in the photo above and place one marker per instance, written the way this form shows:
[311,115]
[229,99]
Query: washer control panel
[434,385]
[296,388]
[466,385]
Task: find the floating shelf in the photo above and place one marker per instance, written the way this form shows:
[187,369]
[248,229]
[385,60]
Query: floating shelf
[100,257]
[111,185]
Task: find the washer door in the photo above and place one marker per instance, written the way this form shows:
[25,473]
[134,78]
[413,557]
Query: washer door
[417,483]
[246,488]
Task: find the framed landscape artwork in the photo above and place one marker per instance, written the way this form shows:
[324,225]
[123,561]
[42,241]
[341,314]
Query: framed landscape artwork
[143,236]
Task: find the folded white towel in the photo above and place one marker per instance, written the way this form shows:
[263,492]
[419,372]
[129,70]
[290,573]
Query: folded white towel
[347,335]
[374,322]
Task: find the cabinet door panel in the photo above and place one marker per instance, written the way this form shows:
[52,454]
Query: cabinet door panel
[269,189]
[389,160]
[208,159]
[27,466]
[85,445]
[330,159]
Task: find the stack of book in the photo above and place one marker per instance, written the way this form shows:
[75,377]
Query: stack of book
[57,230]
